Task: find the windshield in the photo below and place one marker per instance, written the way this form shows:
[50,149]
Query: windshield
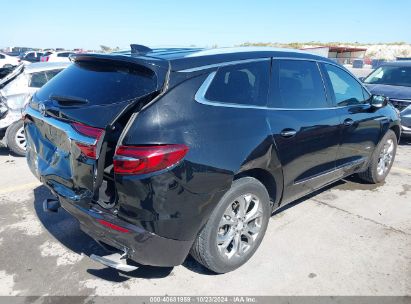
[391,75]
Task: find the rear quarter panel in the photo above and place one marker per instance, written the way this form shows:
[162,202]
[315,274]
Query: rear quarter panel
[222,142]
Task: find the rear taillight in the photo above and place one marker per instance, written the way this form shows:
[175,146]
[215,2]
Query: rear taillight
[147,159]
[89,150]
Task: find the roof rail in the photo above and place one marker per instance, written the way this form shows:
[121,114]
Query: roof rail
[139,49]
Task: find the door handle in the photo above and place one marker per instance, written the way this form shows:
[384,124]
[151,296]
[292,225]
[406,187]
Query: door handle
[287,133]
[348,122]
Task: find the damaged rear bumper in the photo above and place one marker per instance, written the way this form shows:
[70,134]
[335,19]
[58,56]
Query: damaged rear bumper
[141,246]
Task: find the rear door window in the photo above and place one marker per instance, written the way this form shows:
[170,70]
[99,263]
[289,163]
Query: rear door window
[242,84]
[101,83]
[297,84]
[346,89]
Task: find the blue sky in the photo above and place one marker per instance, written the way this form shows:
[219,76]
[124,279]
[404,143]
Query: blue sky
[90,23]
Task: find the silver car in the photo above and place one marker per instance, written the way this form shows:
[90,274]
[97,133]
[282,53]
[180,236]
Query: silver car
[15,91]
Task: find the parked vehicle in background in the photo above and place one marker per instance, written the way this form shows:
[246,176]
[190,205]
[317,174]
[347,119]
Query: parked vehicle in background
[31,56]
[393,80]
[7,61]
[47,53]
[15,90]
[159,153]
[57,57]
[14,54]
[7,70]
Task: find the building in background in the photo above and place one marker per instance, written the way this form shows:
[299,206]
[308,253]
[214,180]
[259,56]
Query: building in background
[317,50]
[340,54]
[346,55]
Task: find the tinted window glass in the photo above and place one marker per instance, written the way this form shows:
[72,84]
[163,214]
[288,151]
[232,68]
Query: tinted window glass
[64,54]
[38,80]
[51,74]
[347,90]
[245,84]
[101,83]
[2,56]
[297,84]
[391,75]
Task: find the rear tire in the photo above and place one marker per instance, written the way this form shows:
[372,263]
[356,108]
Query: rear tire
[235,228]
[381,160]
[15,139]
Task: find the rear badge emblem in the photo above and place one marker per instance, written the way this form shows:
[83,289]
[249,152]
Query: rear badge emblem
[42,109]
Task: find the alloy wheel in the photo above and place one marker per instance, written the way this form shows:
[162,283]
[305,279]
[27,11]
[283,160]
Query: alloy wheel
[386,157]
[240,226]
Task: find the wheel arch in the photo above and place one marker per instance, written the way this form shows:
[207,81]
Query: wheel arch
[397,131]
[273,183]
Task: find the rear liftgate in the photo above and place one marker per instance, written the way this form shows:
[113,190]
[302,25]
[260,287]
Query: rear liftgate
[94,152]
[97,151]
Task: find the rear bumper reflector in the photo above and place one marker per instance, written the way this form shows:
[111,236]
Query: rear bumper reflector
[113,226]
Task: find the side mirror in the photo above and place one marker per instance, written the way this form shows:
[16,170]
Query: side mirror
[361,79]
[378,101]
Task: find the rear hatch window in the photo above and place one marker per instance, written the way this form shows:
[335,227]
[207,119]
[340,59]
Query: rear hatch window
[101,83]
[68,142]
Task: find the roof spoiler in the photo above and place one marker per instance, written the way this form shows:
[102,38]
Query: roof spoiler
[139,49]
[158,66]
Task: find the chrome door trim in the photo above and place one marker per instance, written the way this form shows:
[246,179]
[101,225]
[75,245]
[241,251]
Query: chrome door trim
[343,167]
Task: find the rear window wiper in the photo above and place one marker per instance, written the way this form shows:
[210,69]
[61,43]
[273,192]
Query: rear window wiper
[68,100]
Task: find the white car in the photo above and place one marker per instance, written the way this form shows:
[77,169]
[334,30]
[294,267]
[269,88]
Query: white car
[16,90]
[62,56]
[6,60]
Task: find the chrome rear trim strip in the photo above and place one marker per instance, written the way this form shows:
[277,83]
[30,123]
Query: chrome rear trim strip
[71,133]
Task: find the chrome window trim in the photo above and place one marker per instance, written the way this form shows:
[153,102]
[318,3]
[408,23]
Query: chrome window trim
[222,64]
[401,100]
[201,92]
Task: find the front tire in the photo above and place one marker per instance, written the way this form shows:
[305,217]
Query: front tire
[236,227]
[16,141]
[381,160]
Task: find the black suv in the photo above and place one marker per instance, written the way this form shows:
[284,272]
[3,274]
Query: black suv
[161,153]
